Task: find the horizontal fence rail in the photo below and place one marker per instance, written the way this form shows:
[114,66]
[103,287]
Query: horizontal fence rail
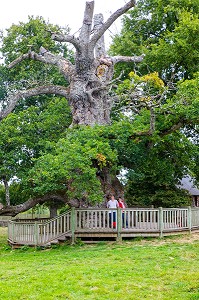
[119,221]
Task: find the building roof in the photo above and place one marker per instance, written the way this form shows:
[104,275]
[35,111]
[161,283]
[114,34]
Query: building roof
[188,184]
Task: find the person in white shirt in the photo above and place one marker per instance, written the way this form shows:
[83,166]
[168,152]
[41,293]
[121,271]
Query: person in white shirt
[112,203]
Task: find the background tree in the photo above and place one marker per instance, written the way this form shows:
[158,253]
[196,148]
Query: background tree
[163,31]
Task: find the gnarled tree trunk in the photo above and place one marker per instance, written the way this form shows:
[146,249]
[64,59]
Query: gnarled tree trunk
[89,78]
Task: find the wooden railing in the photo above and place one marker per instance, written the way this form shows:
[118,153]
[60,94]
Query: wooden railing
[175,218]
[108,219]
[135,219]
[128,221]
[39,232]
[194,217]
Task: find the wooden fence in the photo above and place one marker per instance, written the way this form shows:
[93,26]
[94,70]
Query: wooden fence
[104,223]
[30,232]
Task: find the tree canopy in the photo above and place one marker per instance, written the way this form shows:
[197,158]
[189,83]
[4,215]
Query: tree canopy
[167,33]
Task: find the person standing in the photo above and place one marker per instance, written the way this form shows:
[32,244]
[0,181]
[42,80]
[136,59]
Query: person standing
[112,203]
[122,205]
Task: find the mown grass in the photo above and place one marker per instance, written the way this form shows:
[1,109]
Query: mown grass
[136,269]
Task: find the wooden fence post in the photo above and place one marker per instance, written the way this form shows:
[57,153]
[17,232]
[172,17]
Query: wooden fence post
[73,225]
[189,218]
[119,224]
[13,232]
[36,233]
[161,224]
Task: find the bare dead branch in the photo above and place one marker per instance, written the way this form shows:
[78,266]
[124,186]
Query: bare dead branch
[18,60]
[110,21]
[100,45]
[13,99]
[66,38]
[116,59]
[87,22]
[46,57]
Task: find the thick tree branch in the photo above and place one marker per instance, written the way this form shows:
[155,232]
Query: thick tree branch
[18,60]
[116,59]
[84,33]
[13,99]
[87,22]
[173,128]
[110,21]
[64,66]
[66,38]
[100,45]
[14,210]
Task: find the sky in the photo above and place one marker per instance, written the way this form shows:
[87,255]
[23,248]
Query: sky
[60,12]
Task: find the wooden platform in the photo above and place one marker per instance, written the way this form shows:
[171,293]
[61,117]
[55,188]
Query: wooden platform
[97,224]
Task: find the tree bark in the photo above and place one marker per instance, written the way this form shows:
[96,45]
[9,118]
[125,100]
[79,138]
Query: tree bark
[40,90]
[53,211]
[7,192]
[10,210]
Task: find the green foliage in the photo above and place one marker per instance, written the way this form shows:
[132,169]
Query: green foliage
[174,49]
[71,164]
[167,32]
[146,192]
[2,194]
[67,160]
[24,136]
[156,170]
[64,209]
[31,36]
[19,40]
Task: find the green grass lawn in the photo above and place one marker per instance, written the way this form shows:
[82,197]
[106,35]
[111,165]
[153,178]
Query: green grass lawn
[135,269]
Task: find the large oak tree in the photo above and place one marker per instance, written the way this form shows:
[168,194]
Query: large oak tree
[148,142]
[88,78]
